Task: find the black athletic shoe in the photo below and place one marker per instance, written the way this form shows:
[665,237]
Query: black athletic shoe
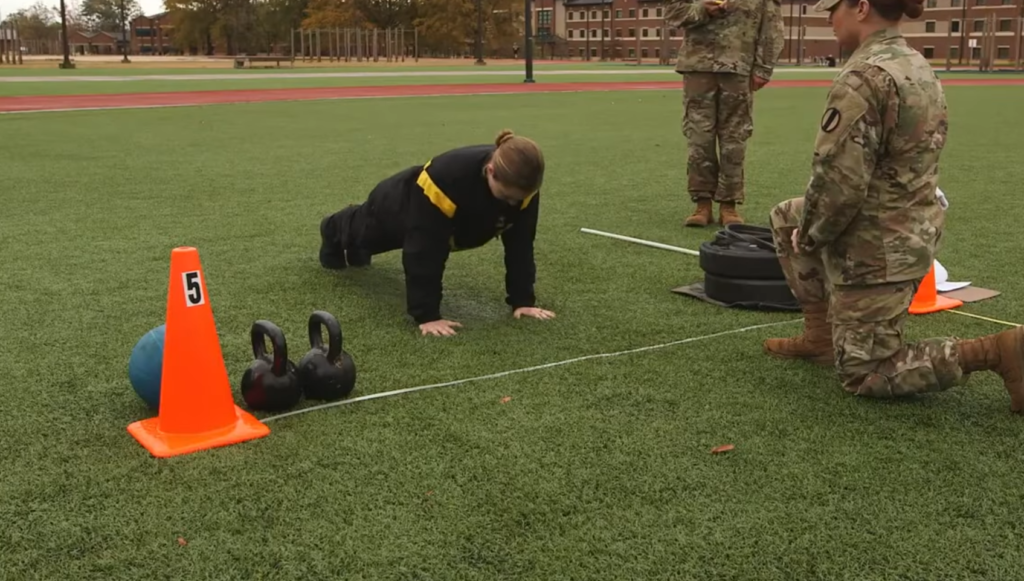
[358,257]
[330,257]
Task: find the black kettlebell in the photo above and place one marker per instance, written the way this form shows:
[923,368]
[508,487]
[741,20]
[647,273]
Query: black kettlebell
[326,373]
[269,383]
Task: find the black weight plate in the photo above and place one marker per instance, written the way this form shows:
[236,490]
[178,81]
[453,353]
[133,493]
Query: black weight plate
[755,235]
[740,260]
[744,290]
[751,230]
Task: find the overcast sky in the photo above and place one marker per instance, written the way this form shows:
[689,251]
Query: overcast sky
[8,6]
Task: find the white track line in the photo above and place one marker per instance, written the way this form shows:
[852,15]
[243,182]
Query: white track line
[354,75]
[527,369]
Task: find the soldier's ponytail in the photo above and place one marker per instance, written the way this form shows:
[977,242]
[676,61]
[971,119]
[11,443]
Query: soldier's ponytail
[895,10]
[912,8]
[517,162]
[505,135]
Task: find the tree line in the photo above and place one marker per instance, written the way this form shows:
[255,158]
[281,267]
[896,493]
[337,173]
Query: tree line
[42,22]
[445,27]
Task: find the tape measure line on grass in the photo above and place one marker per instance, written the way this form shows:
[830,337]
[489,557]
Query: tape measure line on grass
[527,369]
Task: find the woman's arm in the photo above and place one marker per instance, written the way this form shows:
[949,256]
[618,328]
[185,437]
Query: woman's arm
[849,140]
[770,40]
[425,251]
[520,268]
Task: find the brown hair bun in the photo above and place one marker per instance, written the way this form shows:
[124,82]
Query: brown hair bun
[913,8]
[894,10]
[505,135]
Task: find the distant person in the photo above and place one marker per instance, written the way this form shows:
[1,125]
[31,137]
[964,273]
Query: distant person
[857,245]
[729,51]
[460,199]
[515,50]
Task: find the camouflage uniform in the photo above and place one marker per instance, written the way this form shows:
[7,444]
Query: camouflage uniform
[718,57]
[870,224]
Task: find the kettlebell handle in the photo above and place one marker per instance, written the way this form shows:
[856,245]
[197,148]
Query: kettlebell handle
[316,338]
[262,329]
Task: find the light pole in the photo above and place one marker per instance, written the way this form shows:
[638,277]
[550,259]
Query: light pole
[480,33]
[528,41]
[963,31]
[1018,62]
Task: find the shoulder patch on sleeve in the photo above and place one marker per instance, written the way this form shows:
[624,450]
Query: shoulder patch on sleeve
[830,120]
[845,108]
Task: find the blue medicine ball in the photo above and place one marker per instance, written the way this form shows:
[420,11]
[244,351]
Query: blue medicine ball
[145,366]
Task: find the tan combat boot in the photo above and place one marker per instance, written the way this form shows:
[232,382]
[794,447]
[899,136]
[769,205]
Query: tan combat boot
[1002,353]
[727,214]
[702,215]
[814,345]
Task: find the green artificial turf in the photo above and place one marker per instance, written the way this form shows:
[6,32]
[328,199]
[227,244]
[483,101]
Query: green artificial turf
[159,86]
[594,470]
[258,82]
[255,82]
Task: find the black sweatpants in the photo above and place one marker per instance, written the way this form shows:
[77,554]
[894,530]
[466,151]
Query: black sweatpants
[355,229]
[375,226]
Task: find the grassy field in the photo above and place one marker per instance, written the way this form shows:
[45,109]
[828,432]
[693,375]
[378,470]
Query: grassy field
[177,83]
[594,470]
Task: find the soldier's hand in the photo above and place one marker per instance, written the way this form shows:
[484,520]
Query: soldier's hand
[714,7]
[757,83]
[793,239]
[533,312]
[439,328]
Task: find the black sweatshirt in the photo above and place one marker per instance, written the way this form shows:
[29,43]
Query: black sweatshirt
[446,206]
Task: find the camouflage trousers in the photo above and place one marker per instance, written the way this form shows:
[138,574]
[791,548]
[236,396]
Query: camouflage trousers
[717,122]
[872,357]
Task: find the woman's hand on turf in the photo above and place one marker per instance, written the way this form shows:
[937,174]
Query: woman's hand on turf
[533,312]
[440,328]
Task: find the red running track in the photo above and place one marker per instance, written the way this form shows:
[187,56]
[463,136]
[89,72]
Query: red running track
[192,98]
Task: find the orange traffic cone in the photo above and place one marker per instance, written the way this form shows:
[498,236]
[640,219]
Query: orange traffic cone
[928,300]
[197,411]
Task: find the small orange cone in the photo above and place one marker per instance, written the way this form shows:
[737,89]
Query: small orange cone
[197,411]
[928,300]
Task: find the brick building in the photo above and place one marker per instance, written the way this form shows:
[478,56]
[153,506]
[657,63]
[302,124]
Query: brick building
[605,29]
[90,43]
[628,29]
[946,29]
[153,34]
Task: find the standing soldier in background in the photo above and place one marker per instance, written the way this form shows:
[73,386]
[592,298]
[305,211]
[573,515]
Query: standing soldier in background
[729,51]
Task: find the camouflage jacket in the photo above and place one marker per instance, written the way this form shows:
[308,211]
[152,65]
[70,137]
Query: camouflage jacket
[747,39]
[871,205]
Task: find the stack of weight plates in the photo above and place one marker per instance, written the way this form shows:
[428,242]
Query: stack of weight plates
[741,267]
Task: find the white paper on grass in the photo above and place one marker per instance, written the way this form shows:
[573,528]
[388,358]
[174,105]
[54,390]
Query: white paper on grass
[942,283]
